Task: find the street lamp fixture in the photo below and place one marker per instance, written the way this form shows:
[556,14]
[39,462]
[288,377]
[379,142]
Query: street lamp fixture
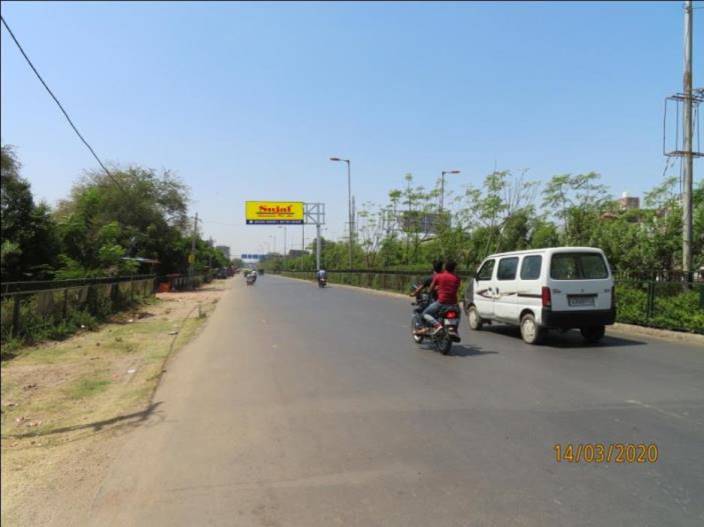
[349,205]
[442,186]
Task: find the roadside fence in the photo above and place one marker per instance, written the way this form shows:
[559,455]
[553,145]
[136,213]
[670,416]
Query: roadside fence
[35,310]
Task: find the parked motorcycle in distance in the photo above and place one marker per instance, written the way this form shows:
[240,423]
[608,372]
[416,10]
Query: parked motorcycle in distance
[449,318]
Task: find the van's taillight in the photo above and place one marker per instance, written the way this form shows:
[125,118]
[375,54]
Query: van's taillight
[546,297]
[451,314]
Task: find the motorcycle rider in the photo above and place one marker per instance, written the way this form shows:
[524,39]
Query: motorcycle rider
[425,284]
[446,284]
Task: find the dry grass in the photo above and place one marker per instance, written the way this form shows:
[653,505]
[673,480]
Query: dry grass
[61,400]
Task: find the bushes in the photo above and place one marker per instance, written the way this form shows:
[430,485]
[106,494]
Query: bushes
[672,308]
[59,313]
[679,312]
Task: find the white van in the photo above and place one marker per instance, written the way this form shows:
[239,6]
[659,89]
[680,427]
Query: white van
[541,289]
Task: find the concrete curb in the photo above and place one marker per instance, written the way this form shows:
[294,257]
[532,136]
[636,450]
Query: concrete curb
[663,334]
[618,328]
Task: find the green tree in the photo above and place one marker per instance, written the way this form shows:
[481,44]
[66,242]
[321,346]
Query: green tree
[577,201]
[145,216]
[29,245]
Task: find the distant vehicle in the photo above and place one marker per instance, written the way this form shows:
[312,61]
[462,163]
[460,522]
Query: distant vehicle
[542,289]
[221,273]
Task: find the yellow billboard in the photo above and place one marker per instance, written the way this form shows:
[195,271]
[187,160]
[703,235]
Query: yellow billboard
[274,212]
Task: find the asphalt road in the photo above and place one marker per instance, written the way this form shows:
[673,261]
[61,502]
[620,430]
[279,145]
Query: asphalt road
[305,407]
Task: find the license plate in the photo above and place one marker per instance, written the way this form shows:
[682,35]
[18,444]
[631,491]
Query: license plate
[581,301]
[451,322]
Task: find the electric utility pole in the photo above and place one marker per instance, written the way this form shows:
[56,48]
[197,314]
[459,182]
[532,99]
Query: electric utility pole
[192,256]
[688,167]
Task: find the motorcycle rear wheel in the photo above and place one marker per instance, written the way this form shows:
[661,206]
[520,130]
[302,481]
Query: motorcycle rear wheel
[444,344]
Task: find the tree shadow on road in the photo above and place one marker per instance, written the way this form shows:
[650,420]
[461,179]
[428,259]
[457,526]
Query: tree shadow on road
[131,420]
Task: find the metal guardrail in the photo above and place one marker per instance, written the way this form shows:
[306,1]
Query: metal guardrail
[461,274]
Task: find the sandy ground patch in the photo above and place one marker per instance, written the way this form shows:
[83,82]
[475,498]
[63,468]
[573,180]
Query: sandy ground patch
[66,406]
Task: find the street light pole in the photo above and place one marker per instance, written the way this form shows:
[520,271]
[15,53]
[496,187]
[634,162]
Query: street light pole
[349,205]
[442,186]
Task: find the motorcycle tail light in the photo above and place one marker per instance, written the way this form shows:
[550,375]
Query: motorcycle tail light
[451,314]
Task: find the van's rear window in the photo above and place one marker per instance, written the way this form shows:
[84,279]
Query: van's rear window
[578,266]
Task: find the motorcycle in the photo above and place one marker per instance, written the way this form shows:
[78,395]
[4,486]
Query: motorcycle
[322,282]
[251,279]
[448,317]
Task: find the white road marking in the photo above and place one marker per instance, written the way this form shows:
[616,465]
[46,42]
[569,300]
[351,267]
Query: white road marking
[651,407]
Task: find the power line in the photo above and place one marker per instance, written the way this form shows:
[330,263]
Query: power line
[220,223]
[19,46]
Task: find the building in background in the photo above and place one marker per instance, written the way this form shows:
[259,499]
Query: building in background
[627,202]
[224,249]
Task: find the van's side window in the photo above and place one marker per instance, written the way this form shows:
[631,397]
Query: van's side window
[486,270]
[530,268]
[507,268]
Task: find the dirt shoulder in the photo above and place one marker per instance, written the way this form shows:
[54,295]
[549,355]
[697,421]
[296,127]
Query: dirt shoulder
[66,406]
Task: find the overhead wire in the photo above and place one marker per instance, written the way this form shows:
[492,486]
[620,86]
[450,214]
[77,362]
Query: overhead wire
[58,103]
[219,222]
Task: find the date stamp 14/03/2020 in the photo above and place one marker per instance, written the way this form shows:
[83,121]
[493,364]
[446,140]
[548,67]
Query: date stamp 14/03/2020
[606,453]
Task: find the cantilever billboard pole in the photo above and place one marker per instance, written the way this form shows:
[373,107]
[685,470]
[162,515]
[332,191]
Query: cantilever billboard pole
[314,213]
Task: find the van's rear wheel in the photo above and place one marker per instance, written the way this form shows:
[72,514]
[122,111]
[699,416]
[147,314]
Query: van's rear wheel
[531,332]
[593,334]
[475,321]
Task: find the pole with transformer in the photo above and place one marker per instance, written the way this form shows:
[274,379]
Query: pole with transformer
[688,101]
[688,167]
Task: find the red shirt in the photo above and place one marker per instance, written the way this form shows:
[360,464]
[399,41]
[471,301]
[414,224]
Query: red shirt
[447,285]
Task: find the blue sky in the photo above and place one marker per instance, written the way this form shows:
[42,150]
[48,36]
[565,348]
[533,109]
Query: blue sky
[248,101]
